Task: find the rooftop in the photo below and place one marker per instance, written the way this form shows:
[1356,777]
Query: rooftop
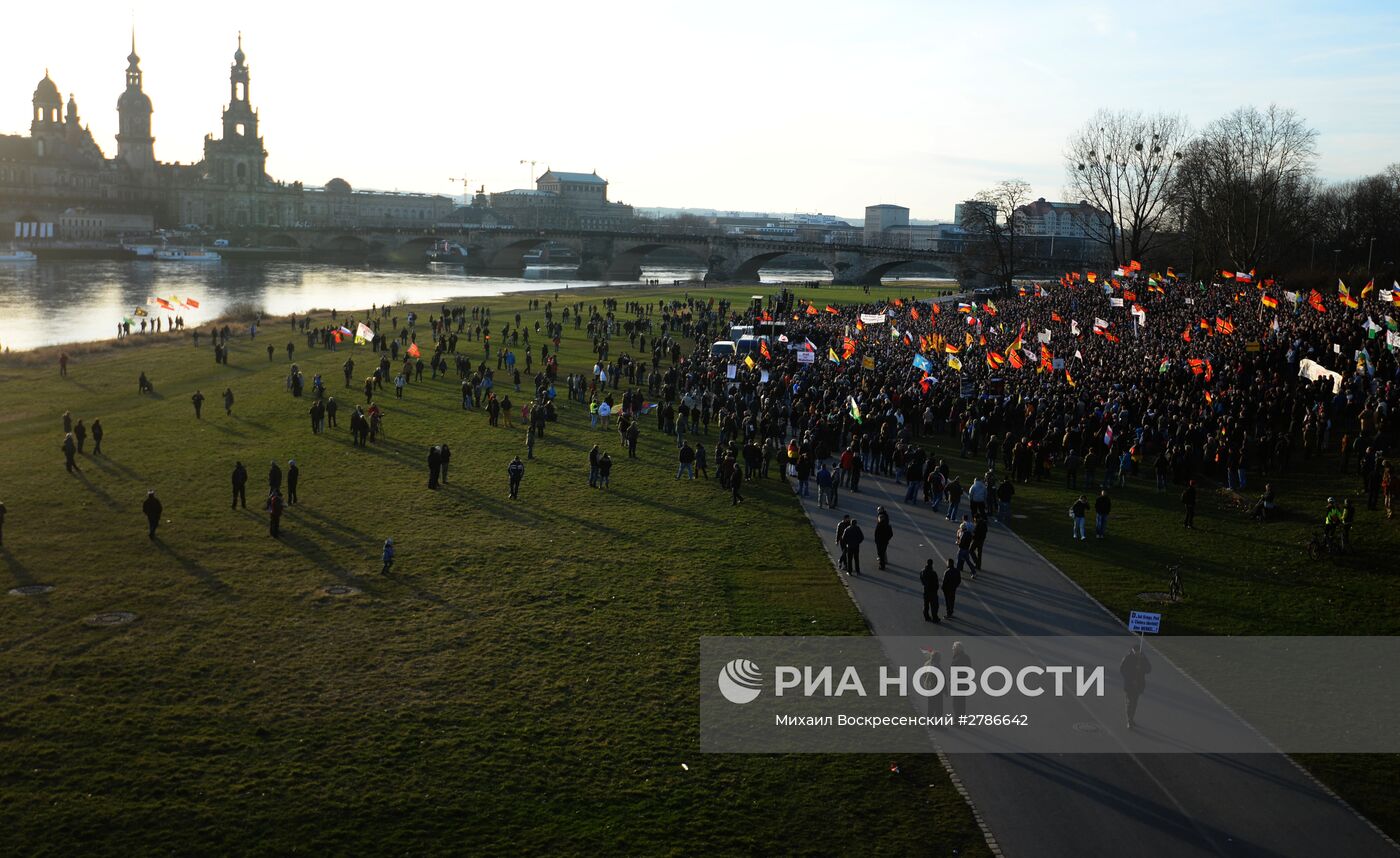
[584,178]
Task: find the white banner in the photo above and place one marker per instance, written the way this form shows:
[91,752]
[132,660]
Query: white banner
[1044,337]
[805,357]
[1115,302]
[873,318]
[1312,370]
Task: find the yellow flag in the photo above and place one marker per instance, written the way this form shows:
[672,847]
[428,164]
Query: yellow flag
[868,362]
[748,362]
[954,363]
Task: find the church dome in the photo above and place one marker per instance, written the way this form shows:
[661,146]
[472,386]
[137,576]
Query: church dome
[337,186]
[46,92]
[134,99]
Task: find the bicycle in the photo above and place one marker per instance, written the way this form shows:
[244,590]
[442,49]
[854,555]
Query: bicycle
[1175,592]
[1324,543]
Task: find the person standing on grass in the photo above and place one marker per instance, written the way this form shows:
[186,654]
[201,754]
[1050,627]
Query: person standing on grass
[604,470]
[736,482]
[1077,512]
[240,482]
[153,509]
[446,460]
[434,466]
[1188,500]
[63,364]
[97,437]
[198,400]
[686,458]
[274,512]
[593,456]
[70,448]
[331,407]
[80,435]
[516,471]
[388,556]
[952,579]
[293,474]
[274,478]
[883,534]
[228,401]
[1102,506]
[929,579]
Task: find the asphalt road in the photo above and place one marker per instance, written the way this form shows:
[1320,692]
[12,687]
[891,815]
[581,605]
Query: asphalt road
[1132,802]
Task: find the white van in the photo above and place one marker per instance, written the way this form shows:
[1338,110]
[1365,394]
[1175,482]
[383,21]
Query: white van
[723,348]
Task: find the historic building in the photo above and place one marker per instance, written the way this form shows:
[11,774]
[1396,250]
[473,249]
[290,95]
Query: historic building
[563,201]
[58,175]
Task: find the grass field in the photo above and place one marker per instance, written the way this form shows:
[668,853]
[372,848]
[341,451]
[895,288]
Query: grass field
[526,682]
[1240,577]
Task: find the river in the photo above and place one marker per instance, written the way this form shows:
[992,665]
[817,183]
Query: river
[50,303]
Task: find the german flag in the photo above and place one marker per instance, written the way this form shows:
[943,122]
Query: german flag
[1269,301]
[914,312]
[1349,301]
[811,309]
[763,350]
[1016,360]
[832,310]
[1069,379]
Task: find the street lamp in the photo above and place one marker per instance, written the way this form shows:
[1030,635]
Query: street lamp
[1369,251]
[532,170]
[1336,261]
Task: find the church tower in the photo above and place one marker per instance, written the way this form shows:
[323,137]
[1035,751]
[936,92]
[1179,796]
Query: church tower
[135,145]
[238,157]
[48,110]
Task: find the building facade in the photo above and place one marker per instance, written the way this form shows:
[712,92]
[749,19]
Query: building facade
[562,200]
[882,221]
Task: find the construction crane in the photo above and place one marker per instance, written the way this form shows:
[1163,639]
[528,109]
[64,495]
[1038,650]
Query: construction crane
[466,190]
[532,164]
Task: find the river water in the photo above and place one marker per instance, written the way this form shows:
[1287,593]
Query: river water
[49,303]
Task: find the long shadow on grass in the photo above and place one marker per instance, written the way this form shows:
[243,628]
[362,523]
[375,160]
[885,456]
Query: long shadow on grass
[208,578]
[301,510]
[518,513]
[23,576]
[108,464]
[101,493]
[322,560]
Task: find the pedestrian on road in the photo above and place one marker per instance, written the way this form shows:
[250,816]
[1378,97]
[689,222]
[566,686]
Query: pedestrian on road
[929,578]
[979,538]
[841,526]
[963,539]
[854,537]
[952,579]
[883,534]
[198,400]
[153,509]
[515,470]
[240,481]
[1188,500]
[1134,669]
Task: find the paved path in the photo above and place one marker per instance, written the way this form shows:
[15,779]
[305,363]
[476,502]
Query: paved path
[1111,804]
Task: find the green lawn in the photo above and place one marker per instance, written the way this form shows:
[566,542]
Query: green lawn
[1240,577]
[526,682]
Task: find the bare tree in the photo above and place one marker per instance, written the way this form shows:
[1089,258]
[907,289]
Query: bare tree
[992,222]
[1124,164]
[1246,186]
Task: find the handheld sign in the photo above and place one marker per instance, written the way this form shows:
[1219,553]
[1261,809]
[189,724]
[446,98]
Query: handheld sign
[1143,621]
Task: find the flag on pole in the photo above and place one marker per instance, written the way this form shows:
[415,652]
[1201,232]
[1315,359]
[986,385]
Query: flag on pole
[855,408]
[364,334]
[1269,301]
[954,363]
[413,351]
[923,363]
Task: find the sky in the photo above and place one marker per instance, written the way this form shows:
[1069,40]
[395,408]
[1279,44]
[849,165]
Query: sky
[764,105]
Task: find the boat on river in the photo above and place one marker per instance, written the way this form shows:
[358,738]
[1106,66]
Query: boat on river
[185,254]
[17,256]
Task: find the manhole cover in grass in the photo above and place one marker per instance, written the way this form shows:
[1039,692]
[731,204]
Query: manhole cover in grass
[1086,727]
[31,590]
[1156,597]
[111,618]
[340,590]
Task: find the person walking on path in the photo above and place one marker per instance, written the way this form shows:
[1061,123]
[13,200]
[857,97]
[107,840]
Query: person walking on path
[1005,492]
[516,471]
[952,579]
[274,512]
[824,498]
[929,579]
[1188,501]
[1077,512]
[1134,669]
[854,536]
[153,509]
[198,400]
[97,437]
[70,449]
[388,557]
[979,539]
[841,526]
[1102,506]
[434,466]
[883,534]
[293,474]
[274,478]
[963,539]
[955,493]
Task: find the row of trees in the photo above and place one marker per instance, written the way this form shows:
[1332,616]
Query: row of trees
[1241,193]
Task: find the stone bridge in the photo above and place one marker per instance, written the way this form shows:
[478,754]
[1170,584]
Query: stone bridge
[608,255]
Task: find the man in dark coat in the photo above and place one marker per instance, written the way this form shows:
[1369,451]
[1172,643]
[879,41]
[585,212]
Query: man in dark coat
[152,508]
[97,437]
[293,474]
[1134,669]
[274,511]
[515,470]
[952,578]
[274,478]
[841,527]
[198,400]
[240,481]
[883,531]
[1188,500]
[434,466]
[854,536]
[929,579]
[70,449]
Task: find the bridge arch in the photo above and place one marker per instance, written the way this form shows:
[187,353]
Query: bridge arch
[509,258]
[748,268]
[346,243]
[281,239]
[627,262]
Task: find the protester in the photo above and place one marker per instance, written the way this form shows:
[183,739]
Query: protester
[929,579]
[883,534]
[153,509]
[516,471]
